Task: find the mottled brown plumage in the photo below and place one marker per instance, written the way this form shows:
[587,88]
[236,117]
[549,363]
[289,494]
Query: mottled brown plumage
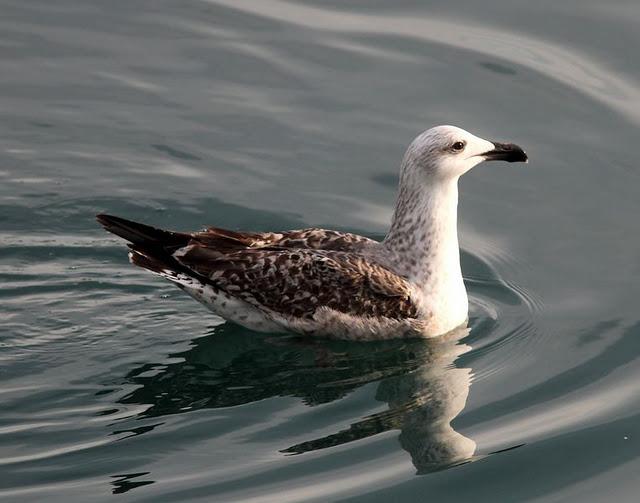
[313,238]
[297,281]
[293,273]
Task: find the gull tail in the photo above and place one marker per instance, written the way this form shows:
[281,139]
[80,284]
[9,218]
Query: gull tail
[141,234]
[151,248]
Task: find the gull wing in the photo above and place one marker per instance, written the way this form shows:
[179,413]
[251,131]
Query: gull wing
[292,273]
[298,282]
[313,238]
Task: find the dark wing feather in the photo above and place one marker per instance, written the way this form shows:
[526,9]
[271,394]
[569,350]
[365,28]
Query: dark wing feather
[299,282]
[317,239]
[294,273]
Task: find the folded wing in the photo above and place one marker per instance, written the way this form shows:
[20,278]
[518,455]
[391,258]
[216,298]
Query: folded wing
[313,238]
[298,282]
[292,274]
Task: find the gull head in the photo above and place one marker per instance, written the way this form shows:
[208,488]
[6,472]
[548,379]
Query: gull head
[447,152]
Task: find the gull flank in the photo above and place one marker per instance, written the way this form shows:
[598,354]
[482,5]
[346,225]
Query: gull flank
[330,283]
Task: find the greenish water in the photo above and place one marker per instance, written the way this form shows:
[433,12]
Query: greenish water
[268,114]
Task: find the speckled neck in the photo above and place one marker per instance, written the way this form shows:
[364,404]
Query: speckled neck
[423,237]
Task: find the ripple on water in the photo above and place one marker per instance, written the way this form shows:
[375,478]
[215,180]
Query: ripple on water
[294,404]
[281,397]
[502,316]
[113,382]
[570,66]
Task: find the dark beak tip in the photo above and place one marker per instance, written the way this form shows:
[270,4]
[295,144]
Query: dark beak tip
[520,156]
[508,152]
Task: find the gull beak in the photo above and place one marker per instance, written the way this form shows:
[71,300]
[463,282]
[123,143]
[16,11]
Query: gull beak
[509,152]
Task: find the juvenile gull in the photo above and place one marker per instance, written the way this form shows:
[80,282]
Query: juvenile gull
[331,283]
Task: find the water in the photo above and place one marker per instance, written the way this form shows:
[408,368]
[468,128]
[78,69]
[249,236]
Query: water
[268,114]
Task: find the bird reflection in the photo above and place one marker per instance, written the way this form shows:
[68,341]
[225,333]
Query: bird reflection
[423,389]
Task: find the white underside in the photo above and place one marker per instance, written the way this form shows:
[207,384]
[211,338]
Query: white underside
[227,306]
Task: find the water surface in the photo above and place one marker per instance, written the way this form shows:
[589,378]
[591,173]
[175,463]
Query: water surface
[271,115]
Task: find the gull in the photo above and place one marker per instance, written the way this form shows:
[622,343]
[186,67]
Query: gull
[337,284]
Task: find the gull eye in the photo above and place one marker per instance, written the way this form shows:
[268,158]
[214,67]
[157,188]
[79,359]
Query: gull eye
[458,146]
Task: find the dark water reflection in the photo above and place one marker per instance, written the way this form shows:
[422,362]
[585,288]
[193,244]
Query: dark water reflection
[417,379]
